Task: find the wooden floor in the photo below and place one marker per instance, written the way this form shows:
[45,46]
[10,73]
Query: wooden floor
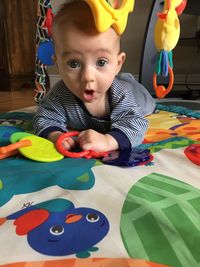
[12,100]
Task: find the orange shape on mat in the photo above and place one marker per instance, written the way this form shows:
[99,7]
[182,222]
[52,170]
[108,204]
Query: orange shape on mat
[91,262]
[189,130]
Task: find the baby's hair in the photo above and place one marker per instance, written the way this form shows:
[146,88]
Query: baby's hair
[76,12]
[79,14]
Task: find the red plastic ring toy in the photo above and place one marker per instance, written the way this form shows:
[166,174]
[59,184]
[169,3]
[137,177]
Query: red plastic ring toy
[88,154]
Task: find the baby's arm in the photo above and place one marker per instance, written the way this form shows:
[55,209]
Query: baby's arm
[51,116]
[93,140]
[127,118]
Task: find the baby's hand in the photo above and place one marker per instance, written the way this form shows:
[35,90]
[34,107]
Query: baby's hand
[68,143]
[92,140]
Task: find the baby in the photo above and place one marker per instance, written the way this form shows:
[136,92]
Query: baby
[107,108]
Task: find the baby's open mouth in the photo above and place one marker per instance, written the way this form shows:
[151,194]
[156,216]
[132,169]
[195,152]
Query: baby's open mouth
[88,94]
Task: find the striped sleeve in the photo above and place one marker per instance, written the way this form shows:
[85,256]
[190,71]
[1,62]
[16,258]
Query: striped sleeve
[51,113]
[126,114]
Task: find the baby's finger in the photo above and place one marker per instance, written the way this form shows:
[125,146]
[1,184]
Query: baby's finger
[81,137]
[69,143]
[82,134]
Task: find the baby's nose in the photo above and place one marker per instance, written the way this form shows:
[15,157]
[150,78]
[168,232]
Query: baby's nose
[88,75]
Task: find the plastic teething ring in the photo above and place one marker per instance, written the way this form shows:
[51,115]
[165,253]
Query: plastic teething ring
[88,154]
[160,90]
[12,149]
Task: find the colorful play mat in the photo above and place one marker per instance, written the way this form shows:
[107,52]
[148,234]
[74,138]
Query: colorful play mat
[81,212]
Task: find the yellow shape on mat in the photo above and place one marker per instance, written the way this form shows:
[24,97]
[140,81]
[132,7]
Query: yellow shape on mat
[41,150]
[106,16]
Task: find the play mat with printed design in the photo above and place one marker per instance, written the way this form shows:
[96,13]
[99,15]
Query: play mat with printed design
[80,212]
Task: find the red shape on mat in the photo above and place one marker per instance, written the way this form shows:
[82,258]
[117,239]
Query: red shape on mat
[192,152]
[2,220]
[30,220]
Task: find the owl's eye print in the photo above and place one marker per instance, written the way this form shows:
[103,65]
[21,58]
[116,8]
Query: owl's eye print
[92,217]
[57,230]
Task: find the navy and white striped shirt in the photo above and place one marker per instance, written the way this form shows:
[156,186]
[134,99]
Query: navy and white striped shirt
[128,100]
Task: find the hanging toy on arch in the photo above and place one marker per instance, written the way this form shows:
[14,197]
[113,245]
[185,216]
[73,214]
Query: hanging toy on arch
[45,49]
[166,36]
[109,13]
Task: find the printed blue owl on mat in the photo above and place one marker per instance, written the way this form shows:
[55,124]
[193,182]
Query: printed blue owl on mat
[57,228]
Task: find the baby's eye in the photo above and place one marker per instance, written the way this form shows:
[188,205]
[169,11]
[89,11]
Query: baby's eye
[101,62]
[73,64]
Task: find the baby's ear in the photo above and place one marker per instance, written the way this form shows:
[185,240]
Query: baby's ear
[121,59]
[54,59]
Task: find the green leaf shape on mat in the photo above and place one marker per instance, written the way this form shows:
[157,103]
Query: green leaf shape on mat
[22,176]
[83,178]
[160,221]
[1,184]
[170,143]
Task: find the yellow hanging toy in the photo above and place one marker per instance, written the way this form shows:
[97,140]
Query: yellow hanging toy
[167,32]
[111,13]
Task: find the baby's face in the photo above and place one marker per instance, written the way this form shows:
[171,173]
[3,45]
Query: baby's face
[87,62]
